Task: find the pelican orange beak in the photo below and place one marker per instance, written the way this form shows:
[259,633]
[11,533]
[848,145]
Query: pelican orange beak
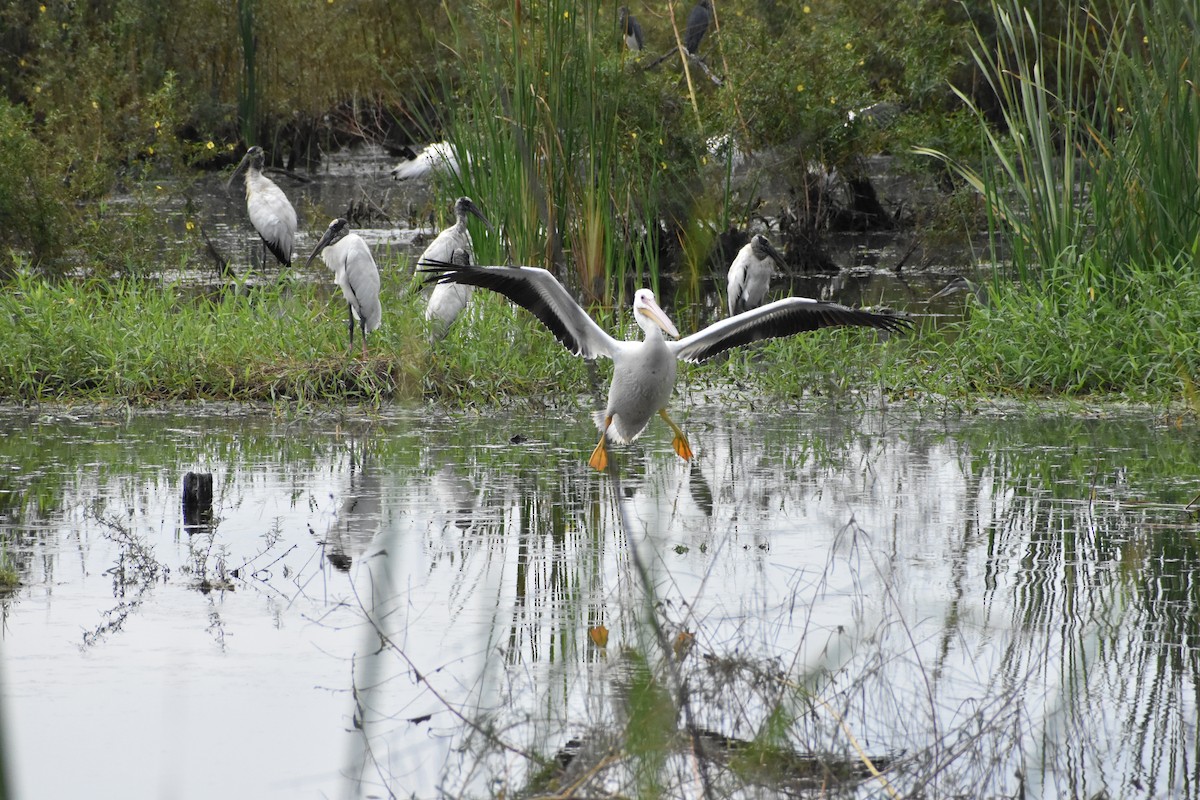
[646,304]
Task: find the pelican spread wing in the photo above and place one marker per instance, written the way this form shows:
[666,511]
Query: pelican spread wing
[538,291]
[782,318]
[644,372]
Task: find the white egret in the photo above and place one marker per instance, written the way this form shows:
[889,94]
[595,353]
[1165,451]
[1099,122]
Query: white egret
[631,30]
[355,272]
[750,274]
[448,300]
[436,157]
[270,212]
[644,372]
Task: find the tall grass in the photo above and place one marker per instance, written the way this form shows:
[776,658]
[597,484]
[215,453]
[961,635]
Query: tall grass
[1093,182]
[1032,185]
[1093,171]
[1146,197]
[568,146]
[248,88]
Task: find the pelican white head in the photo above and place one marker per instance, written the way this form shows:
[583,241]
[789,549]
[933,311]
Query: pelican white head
[647,313]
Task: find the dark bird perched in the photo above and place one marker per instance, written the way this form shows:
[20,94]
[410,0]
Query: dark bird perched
[270,212]
[644,372]
[447,301]
[631,29]
[750,274]
[699,18]
[355,272]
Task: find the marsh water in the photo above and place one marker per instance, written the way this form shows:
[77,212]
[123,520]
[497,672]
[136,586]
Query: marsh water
[410,603]
[399,218]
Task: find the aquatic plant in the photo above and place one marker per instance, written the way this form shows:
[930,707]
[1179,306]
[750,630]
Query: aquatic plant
[10,579]
[31,221]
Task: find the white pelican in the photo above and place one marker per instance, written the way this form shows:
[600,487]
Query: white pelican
[436,157]
[631,30]
[750,274]
[448,300]
[355,272]
[699,18]
[270,212]
[644,372]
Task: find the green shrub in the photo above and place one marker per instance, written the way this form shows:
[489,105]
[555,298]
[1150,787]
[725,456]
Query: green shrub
[33,214]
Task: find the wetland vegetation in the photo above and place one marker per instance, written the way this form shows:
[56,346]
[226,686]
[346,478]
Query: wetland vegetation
[1055,566]
[1068,134]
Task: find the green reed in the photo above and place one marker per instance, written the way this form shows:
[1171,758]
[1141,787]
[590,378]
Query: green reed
[569,149]
[1031,182]
[1096,154]
[1145,199]
[1092,189]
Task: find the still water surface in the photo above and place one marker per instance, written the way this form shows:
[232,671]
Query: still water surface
[400,603]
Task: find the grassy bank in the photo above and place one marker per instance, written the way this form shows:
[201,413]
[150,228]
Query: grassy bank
[143,342]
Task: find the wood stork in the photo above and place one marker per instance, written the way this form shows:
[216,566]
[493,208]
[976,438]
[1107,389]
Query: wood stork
[960,285]
[750,274]
[699,18]
[644,372]
[436,157]
[448,300]
[355,272]
[270,212]
[631,30]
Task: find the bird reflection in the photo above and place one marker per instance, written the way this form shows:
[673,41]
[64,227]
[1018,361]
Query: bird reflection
[358,516]
[701,492]
[455,494]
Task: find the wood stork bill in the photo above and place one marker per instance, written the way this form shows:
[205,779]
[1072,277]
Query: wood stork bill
[436,157]
[448,300]
[631,30]
[644,372]
[270,212]
[355,272]
[750,274]
[699,18]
